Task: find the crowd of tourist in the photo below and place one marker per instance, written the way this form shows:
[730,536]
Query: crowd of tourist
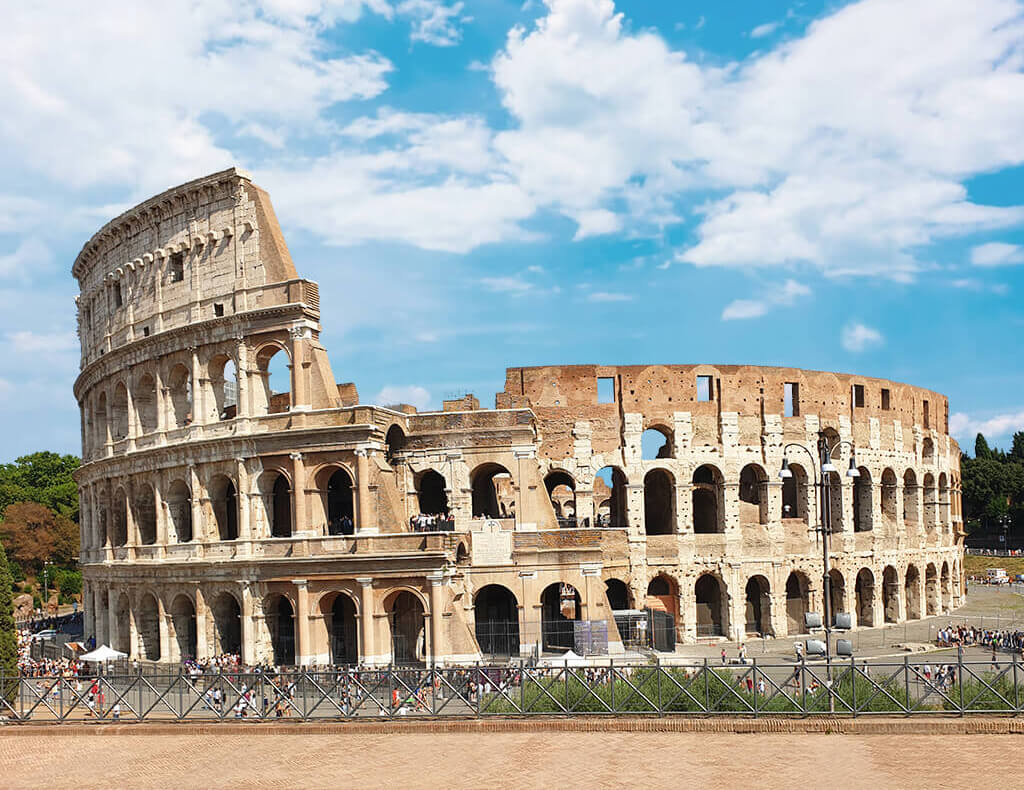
[967,635]
[432,522]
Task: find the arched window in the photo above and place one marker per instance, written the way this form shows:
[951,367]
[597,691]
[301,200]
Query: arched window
[708,509]
[865,590]
[497,621]
[710,609]
[179,391]
[145,404]
[340,512]
[794,494]
[431,493]
[797,602]
[281,509]
[179,509]
[912,593]
[145,514]
[224,384]
[394,443]
[281,622]
[120,415]
[890,488]
[753,495]
[224,501]
[408,635]
[183,619]
[273,394]
[618,595]
[561,490]
[493,495]
[758,606]
[862,505]
[656,442]
[227,622]
[148,625]
[560,607]
[928,451]
[891,594]
[343,636]
[911,514]
[610,496]
[659,502]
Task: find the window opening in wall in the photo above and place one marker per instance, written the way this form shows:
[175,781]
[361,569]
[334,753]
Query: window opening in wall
[118,296]
[858,395]
[927,421]
[792,399]
[177,267]
[605,390]
[218,309]
[885,399]
[655,443]
[704,392]
[145,331]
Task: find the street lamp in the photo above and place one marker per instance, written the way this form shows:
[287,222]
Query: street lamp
[46,577]
[824,460]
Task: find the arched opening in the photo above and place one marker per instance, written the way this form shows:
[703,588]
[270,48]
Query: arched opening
[145,404]
[753,495]
[281,623]
[758,606]
[394,444]
[119,519]
[497,621]
[655,443]
[561,490]
[837,592]
[610,494]
[889,497]
[910,512]
[224,501]
[797,602]
[931,590]
[912,593]
[273,393]
[710,608]
[560,607]
[928,451]
[183,618]
[431,493]
[862,505]
[794,494]
[340,512]
[659,502]
[663,596]
[492,492]
[891,594]
[119,423]
[408,636]
[342,633]
[179,510]
[280,508]
[943,501]
[834,487]
[179,396]
[865,591]
[148,623]
[145,514]
[619,597]
[947,593]
[708,507]
[224,384]
[100,416]
[928,494]
[123,617]
[227,625]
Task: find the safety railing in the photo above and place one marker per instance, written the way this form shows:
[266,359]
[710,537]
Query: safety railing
[843,688]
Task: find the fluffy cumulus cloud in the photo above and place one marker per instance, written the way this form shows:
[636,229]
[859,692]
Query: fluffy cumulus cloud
[857,337]
[433,21]
[996,253]
[997,427]
[393,395]
[773,297]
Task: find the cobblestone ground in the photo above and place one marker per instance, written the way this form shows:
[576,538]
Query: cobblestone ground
[498,760]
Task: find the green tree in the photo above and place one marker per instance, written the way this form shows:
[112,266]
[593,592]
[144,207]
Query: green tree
[981,448]
[8,636]
[42,477]
[1017,448]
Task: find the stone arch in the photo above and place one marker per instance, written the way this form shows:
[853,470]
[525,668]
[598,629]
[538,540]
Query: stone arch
[394,443]
[227,624]
[890,487]
[912,592]
[794,494]
[406,616]
[863,507]
[910,511]
[618,594]
[337,494]
[659,502]
[798,601]
[144,506]
[560,606]
[663,595]
[340,614]
[223,375]
[837,591]
[753,495]
[183,618]
[267,399]
[864,589]
[148,624]
[932,602]
[708,504]
[179,396]
[119,519]
[610,493]
[119,412]
[144,400]
[656,442]
[561,488]
[488,500]
[928,451]
[276,494]
[101,418]
[929,497]
[496,619]
[758,606]
[891,594]
[224,504]
[279,613]
[712,605]
[179,510]
[431,493]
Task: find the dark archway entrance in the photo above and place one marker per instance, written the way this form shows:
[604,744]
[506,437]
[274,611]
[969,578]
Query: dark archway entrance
[342,631]
[796,602]
[758,606]
[487,501]
[497,621]
[227,625]
[560,608]
[865,590]
[708,592]
[281,619]
[408,636]
[340,513]
[183,617]
[618,595]
[431,494]
[659,502]
[281,509]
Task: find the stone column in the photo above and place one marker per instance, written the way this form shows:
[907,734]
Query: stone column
[363,494]
[437,647]
[160,399]
[304,653]
[133,422]
[198,391]
[249,652]
[242,407]
[244,500]
[162,516]
[112,635]
[165,625]
[299,337]
[299,521]
[198,525]
[366,616]
[202,613]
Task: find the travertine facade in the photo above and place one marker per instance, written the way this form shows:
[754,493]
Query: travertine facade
[222,515]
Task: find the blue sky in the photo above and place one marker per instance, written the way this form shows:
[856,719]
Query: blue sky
[484,183]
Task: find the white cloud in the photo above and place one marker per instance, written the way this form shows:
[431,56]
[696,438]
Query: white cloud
[434,21]
[764,30]
[28,342]
[755,308]
[1001,426]
[997,253]
[392,395]
[858,337]
[30,256]
[515,285]
[607,296]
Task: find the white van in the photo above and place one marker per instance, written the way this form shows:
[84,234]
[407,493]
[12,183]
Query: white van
[997,576]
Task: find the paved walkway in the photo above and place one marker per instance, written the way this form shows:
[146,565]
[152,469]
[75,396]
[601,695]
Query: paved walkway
[518,760]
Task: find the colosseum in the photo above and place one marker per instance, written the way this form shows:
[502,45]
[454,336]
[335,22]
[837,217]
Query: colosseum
[294,524]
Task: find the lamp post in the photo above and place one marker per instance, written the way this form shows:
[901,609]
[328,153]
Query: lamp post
[825,454]
[46,577]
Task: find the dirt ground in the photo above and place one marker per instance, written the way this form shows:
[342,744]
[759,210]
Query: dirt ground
[519,760]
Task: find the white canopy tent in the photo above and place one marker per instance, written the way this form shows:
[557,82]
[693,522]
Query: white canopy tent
[103,653]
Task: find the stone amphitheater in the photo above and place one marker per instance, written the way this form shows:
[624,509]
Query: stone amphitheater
[223,511]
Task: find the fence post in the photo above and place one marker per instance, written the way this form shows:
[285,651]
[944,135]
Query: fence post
[853,686]
[754,686]
[391,690]
[611,678]
[479,689]
[1016,689]
[659,670]
[566,687]
[960,675]
[906,680]
[522,686]
[707,688]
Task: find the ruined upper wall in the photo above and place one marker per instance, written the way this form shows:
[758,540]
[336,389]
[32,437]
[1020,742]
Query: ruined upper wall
[206,249]
[561,396]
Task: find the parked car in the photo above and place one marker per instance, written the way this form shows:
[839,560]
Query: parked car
[45,636]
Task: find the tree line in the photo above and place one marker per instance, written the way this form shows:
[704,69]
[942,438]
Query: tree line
[993,487]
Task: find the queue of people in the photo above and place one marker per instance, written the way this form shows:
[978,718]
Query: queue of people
[432,522]
[993,639]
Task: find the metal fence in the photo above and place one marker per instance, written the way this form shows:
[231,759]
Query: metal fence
[757,688]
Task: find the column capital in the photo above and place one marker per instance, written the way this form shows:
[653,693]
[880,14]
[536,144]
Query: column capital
[436,577]
[365,581]
[295,456]
[300,582]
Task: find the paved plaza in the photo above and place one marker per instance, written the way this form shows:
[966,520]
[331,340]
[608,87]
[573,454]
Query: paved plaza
[542,759]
